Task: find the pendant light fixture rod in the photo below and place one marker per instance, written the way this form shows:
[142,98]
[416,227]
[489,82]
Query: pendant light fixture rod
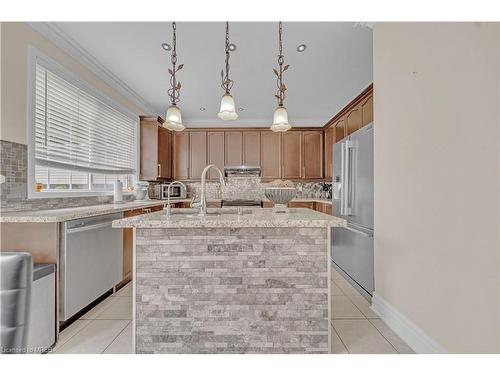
[280,96]
[227,83]
[175,87]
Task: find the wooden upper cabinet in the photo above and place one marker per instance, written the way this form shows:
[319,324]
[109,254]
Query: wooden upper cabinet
[353,120]
[164,153]
[340,130]
[313,154]
[292,155]
[234,148]
[251,148]
[148,168]
[197,153]
[329,140]
[270,154]
[215,152]
[181,155]
[367,110]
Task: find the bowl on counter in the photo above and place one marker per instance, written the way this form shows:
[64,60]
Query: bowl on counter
[280,196]
[141,191]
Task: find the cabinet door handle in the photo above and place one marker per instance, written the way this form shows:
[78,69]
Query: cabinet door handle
[159,170]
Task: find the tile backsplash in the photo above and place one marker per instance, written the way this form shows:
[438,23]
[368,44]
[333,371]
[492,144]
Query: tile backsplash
[14,191]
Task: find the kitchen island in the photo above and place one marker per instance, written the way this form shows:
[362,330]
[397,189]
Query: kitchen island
[258,282]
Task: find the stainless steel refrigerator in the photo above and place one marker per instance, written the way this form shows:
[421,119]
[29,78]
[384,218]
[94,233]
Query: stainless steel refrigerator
[352,247]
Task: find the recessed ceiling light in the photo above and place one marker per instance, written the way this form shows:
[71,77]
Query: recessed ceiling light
[232,47]
[202,108]
[166,46]
[241,109]
[301,48]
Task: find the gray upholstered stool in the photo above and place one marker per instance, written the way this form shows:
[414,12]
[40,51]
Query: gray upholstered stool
[16,274]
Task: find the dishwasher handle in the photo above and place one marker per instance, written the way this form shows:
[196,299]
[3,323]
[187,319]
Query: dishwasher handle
[85,228]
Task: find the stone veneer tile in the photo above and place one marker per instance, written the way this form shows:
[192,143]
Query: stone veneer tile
[13,193]
[228,290]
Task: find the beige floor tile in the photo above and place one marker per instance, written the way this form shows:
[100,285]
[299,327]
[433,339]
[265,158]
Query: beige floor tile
[336,291]
[392,337]
[69,332]
[119,308]
[346,288]
[336,275]
[343,308]
[98,309]
[338,346]
[126,291]
[361,337]
[123,343]
[362,304]
[93,338]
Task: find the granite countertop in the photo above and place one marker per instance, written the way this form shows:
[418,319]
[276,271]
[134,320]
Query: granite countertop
[71,213]
[228,218]
[64,214]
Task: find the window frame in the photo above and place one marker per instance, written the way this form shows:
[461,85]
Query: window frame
[34,56]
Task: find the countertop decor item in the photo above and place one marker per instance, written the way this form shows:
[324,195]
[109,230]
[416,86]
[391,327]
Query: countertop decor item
[280,118]
[227,106]
[280,196]
[141,191]
[173,119]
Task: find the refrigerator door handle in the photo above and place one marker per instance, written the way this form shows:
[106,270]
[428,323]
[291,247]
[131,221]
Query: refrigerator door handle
[342,179]
[347,178]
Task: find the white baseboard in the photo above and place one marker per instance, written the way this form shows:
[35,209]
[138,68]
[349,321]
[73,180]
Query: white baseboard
[415,337]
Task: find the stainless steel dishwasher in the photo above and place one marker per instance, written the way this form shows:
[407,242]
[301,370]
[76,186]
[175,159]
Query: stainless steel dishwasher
[90,261]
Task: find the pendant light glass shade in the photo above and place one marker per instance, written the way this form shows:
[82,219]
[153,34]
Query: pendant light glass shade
[280,120]
[173,119]
[227,108]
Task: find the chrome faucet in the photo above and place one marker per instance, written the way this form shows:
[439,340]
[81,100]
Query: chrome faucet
[203,198]
[167,206]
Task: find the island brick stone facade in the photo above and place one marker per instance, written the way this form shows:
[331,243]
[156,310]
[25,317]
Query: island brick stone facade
[232,290]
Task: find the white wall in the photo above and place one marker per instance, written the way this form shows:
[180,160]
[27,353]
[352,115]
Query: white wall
[15,39]
[437,187]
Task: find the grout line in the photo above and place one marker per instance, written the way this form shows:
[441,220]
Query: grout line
[386,339]
[340,338]
[73,335]
[119,333]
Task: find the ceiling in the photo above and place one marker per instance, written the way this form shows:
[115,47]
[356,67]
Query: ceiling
[335,67]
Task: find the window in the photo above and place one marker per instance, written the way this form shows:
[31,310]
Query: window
[81,144]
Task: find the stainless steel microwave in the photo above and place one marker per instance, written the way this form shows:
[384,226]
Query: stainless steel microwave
[176,191]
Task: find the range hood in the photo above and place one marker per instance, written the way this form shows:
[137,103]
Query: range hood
[242,171]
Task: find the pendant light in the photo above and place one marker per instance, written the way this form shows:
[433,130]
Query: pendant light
[280,118]
[173,119]
[227,107]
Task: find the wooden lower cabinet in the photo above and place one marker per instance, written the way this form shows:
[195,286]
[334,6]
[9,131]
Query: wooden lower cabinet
[316,206]
[128,242]
[309,205]
[325,208]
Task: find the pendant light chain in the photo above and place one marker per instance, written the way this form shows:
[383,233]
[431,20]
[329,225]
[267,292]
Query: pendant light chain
[227,83]
[174,91]
[280,96]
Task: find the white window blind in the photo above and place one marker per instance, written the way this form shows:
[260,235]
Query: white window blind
[77,132]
